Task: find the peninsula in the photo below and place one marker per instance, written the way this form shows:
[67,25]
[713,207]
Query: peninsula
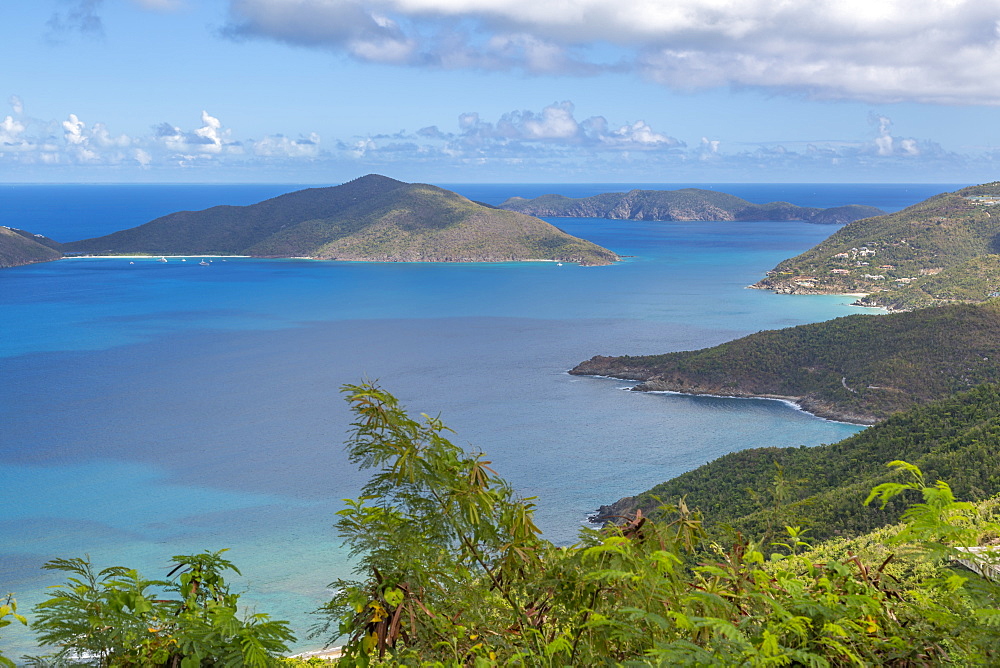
[684,204]
[18,248]
[943,250]
[859,368]
[372,218]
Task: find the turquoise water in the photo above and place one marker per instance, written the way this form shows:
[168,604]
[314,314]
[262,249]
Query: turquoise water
[153,409]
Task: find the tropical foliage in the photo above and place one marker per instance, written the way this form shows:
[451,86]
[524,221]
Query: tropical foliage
[454,573]
[117,618]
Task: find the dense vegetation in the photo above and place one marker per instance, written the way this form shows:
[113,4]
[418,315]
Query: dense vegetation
[684,204]
[860,368]
[18,247]
[370,218]
[935,252]
[454,573]
[763,489]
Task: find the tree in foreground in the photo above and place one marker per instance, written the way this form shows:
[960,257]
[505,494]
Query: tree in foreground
[454,573]
[114,617]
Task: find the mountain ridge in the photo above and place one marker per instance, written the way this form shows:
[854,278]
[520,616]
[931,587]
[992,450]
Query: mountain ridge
[372,218]
[685,204]
[19,248]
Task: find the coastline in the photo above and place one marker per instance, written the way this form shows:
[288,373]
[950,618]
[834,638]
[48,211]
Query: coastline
[321,259]
[822,412]
[793,402]
[330,653]
[140,257]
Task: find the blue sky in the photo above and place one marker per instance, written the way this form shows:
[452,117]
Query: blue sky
[322,91]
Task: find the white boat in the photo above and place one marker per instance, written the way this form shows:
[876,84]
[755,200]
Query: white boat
[162,259]
[203,263]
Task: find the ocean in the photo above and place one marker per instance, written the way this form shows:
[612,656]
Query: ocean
[150,409]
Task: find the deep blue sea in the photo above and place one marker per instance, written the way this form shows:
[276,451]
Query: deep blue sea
[150,409]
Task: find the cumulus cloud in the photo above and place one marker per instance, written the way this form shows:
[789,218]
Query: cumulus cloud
[873,50]
[159,5]
[32,141]
[16,104]
[550,141]
[10,133]
[886,145]
[554,126]
[280,146]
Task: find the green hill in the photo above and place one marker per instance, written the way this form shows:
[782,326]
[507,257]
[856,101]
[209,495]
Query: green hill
[371,218]
[18,247]
[860,368]
[684,204]
[956,439]
[942,250]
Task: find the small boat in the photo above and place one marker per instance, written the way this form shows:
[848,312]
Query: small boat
[558,264]
[203,263]
[162,259]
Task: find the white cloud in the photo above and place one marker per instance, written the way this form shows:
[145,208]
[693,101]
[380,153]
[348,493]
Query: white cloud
[16,104]
[10,134]
[555,125]
[873,50]
[886,145]
[280,146]
[74,131]
[210,134]
[159,5]
[32,141]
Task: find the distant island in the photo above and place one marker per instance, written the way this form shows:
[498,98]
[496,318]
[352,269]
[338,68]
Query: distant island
[683,204]
[859,368]
[943,250]
[18,248]
[372,218]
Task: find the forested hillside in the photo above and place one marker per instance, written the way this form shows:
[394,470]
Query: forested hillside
[939,251]
[18,247]
[372,218]
[683,204]
[859,368]
[822,488]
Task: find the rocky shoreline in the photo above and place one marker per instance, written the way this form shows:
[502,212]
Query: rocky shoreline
[648,381]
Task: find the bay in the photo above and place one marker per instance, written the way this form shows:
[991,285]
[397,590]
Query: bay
[153,409]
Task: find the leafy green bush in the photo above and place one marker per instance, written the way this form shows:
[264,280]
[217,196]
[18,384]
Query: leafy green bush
[454,573]
[117,618]
[8,615]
